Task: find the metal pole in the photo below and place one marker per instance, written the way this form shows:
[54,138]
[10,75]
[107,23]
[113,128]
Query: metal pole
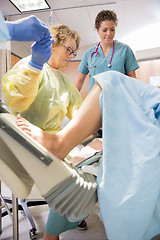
[6,206]
[0,212]
[15,218]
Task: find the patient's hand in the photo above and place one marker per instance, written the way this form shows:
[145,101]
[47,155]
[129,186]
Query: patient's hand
[89,150]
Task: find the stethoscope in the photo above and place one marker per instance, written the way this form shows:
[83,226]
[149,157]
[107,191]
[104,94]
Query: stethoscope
[96,51]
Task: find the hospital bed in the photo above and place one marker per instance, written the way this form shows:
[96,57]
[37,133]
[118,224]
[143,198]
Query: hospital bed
[11,205]
[68,190]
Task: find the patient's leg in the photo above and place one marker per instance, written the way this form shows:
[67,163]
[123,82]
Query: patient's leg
[86,121]
[53,185]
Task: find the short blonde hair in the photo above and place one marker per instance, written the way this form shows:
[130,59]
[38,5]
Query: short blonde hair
[61,32]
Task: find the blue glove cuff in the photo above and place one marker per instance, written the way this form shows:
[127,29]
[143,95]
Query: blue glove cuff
[35,65]
[10,27]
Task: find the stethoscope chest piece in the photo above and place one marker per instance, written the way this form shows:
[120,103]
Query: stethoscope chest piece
[96,51]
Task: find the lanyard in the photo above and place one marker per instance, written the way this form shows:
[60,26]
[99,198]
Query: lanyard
[96,51]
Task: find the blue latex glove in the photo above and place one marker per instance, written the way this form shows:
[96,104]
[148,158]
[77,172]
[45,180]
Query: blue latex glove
[4,33]
[41,52]
[27,29]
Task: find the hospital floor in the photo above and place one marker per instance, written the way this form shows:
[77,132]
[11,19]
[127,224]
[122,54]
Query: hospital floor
[95,229]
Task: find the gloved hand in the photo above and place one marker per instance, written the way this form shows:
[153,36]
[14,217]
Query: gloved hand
[4,33]
[27,29]
[41,52]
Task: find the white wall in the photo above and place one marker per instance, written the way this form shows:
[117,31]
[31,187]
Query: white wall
[20,49]
[23,49]
[148,54]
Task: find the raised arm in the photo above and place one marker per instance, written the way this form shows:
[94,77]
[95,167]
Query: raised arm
[27,29]
[21,83]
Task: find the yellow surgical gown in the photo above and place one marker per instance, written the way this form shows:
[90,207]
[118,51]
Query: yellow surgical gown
[44,98]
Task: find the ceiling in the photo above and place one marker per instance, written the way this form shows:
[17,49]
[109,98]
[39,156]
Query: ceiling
[138,25]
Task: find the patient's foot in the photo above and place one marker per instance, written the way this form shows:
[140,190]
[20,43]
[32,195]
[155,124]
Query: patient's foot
[52,142]
[23,124]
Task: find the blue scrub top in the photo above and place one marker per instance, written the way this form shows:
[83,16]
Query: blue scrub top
[123,61]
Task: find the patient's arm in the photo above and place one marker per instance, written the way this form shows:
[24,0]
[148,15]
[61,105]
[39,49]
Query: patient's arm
[78,155]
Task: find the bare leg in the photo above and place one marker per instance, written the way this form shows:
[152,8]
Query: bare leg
[50,237]
[85,122]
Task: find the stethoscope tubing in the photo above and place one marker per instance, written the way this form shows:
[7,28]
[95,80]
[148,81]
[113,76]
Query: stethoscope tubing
[96,51]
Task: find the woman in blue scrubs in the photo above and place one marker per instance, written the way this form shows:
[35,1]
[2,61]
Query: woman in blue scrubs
[108,54]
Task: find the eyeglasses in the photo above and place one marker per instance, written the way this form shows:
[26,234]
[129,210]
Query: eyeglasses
[70,51]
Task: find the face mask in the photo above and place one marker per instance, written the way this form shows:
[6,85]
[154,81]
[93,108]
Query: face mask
[4,34]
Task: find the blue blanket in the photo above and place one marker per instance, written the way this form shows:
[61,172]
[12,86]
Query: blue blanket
[129,174]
